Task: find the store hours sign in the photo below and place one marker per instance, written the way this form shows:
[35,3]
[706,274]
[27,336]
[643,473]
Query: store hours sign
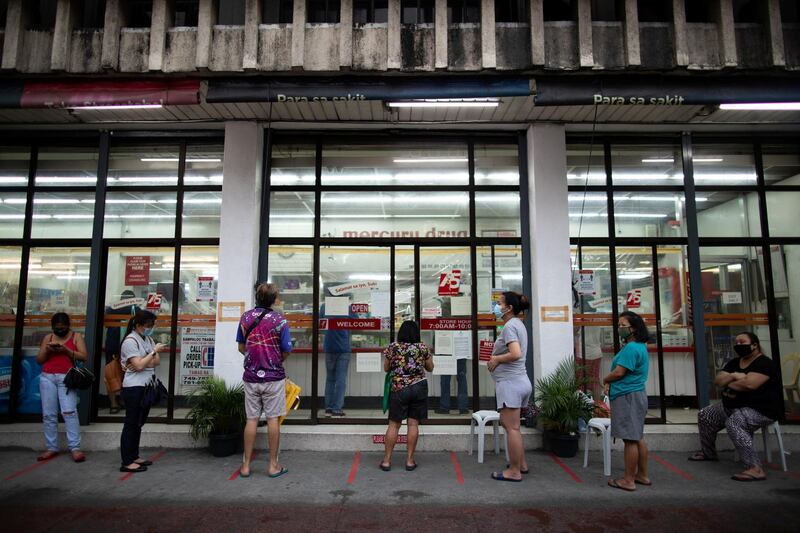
[197,357]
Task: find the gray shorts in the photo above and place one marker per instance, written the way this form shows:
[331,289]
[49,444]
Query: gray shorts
[514,392]
[627,416]
[269,398]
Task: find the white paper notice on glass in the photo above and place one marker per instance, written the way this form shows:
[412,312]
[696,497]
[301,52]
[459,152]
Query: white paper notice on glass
[368,362]
[443,342]
[731,297]
[461,305]
[337,306]
[462,344]
[402,297]
[380,303]
[444,365]
[230,311]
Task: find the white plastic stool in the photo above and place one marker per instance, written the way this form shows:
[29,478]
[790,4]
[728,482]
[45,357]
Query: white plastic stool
[776,428]
[480,418]
[603,426]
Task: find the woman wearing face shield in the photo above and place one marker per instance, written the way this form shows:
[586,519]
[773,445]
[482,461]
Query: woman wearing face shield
[751,399]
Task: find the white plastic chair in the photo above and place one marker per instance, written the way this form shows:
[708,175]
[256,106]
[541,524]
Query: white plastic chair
[481,418]
[603,428]
[776,428]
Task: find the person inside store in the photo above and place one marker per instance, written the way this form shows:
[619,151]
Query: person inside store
[462,393]
[113,373]
[139,356]
[625,387]
[265,341]
[512,386]
[336,343]
[406,360]
[751,399]
[57,354]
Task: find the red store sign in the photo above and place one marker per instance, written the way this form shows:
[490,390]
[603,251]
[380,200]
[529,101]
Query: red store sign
[452,324]
[359,308]
[137,270]
[350,323]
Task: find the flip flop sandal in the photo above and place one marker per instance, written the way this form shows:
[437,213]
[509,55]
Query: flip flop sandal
[144,463]
[528,471]
[126,469]
[747,478]
[643,483]
[242,474]
[613,484]
[385,468]
[699,456]
[78,457]
[498,476]
[279,474]
[46,456]
[412,467]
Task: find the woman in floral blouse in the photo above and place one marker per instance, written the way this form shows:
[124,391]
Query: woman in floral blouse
[406,360]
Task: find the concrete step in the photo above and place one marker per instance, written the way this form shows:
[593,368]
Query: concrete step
[341,437]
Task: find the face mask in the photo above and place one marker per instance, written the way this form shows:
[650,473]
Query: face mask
[499,312]
[148,332]
[61,332]
[624,332]
[742,350]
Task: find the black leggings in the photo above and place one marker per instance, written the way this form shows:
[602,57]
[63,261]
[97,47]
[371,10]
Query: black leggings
[135,417]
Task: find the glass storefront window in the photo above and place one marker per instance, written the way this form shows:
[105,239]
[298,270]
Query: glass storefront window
[140,215]
[497,214]
[10,266]
[66,166]
[142,166]
[583,158]
[58,281]
[291,214]
[395,214]
[382,164]
[646,164]
[14,165]
[63,214]
[496,164]
[201,214]
[12,214]
[781,164]
[203,165]
[650,214]
[786,282]
[293,164]
[782,213]
[588,214]
[728,214]
[723,164]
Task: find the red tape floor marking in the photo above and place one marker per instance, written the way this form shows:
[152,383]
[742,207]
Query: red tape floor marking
[779,468]
[673,469]
[239,470]
[28,469]
[153,458]
[457,468]
[353,469]
[566,469]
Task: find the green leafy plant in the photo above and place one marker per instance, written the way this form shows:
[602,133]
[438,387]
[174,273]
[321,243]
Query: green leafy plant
[216,408]
[560,401]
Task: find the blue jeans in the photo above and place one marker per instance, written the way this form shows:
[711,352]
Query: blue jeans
[461,381]
[336,365]
[54,395]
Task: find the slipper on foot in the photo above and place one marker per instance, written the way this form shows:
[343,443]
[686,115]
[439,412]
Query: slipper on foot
[78,457]
[144,463]
[700,456]
[747,478]
[242,474]
[613,484]
[411,467]
[385,467]
[643,483]
[126,469]
[498,476]
[46,456]
[279,474]
[521,471]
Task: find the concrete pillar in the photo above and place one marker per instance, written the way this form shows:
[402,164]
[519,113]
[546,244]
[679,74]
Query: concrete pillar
[488,47]
[551,278]
[585,33]
[162,19]
[774,26]
[238,236]
[16,23]
[206,19]
[252,18]
[67,13]
[633,56]
[440,18]
[298,33]
[346,34]
[395,57]
[537,32]
[112,25]
[727,33]
[681,33]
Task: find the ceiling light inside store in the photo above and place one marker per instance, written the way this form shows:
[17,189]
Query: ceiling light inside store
[115,107]
[634,276]
[433,160]
[369,277]
[695,159]
[772,106]
[448,102]
[175,160]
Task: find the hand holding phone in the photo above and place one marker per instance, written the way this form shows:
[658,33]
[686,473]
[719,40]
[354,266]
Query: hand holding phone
[161,347]
[56,347]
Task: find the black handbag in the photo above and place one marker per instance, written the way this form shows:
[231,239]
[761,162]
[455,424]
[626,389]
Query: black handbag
[154,392]
[78,377]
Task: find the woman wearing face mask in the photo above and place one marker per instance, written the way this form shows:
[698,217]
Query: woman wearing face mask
[139,356]
[625,386]
[57,354]
[512,385]
[751,399]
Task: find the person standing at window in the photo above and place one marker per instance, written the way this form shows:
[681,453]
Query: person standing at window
[337,362]
[625,386]
[113,373]
[265,341]
[512,385]
[57,355]
[139,356]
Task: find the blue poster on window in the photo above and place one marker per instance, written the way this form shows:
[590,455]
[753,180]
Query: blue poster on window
[30,401]
[5,382]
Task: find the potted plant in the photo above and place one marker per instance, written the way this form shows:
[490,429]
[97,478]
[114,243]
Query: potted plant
[217,413]
[561,405]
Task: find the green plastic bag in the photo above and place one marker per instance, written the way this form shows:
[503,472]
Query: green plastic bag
[387,388]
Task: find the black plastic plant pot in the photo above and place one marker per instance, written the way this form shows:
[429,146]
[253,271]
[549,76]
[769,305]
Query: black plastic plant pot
[564,445]
[224,445]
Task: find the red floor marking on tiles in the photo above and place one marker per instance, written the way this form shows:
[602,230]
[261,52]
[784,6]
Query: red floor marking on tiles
[153,458]
[353,469]
[457,467]
[779,468]
[239,470]
[670,467]
[566,469]
[28,469]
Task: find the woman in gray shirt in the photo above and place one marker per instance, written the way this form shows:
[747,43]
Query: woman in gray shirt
[512,385]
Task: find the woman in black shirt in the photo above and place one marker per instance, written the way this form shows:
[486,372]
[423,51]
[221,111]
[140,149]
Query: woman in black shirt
[751,399]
